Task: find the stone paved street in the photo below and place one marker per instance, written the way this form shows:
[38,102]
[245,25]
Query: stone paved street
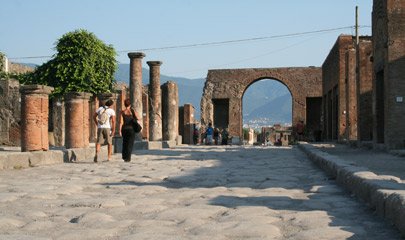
[185,193]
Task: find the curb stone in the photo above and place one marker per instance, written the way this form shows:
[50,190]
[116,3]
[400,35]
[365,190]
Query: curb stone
[383,193]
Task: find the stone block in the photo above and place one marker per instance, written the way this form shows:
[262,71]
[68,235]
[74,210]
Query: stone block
[154,145]
[179,140]
[16,161]
[168,144]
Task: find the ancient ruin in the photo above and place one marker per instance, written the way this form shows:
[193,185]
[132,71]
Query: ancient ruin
[221,102]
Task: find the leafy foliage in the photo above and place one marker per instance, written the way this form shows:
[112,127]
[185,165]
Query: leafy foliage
[83,63]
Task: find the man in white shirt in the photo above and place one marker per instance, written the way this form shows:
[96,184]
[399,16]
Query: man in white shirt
[104,118]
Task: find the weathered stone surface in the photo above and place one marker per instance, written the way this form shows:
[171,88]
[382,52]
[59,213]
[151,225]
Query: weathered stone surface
[135,81]
[170,111]
[10,113]
[155,104]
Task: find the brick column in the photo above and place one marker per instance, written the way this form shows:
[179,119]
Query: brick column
[170,110]
[145,102]
[94,105]
[155,110]
[77,120]
[135,81]
[188,123]
[351,91]
[34,117]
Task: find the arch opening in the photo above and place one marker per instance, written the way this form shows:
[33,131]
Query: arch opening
[267,112]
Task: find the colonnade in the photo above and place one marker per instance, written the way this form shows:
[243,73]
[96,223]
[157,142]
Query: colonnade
[156,104]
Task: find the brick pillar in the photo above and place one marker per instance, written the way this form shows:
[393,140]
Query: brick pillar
[188,123]
[34,117]
[155,110]
[94,105]
[170,110]
[145,102]
[77,120]
[351,95]
[135,81]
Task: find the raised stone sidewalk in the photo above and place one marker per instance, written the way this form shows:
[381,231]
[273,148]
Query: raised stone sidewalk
[13,158]
[380,191]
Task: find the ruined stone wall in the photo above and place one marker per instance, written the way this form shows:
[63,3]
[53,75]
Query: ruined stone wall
[388,20]
[334,89]
[10,112]
[231,84]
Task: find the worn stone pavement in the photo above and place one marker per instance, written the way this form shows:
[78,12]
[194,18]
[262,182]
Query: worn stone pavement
[189,192]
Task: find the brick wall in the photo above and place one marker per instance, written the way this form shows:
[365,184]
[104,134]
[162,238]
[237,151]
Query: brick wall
[365,89]
[334,89]
[388,22]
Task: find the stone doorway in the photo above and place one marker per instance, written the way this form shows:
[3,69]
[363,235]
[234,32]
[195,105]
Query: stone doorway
[221,110]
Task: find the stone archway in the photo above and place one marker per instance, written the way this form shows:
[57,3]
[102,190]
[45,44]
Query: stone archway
[224,88]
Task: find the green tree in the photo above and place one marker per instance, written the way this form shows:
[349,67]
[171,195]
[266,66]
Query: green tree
[83,63]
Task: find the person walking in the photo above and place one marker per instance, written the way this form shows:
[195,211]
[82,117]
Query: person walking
[104,118]
[209,134]
[128,115]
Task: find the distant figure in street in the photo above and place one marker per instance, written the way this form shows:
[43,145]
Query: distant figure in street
[195,135]
[300,130]
[104,118]
[225,136]
[209,134]
[216,136]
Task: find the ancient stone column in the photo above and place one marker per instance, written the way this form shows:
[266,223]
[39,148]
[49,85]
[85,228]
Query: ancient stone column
[120,92]
[188,123]
[155,104]
[135,81]
[58,118]
[170,111]
[34,117]
[77,120]
[145,117]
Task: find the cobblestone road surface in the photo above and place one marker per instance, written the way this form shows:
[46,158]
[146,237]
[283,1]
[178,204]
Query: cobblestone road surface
[185,193]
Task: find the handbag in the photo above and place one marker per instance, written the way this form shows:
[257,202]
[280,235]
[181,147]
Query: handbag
[135,125]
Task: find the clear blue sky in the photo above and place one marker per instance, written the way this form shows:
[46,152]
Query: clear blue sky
[29,28]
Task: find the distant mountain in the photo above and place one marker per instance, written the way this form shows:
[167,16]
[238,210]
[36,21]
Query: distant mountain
[277,110]
[260,94]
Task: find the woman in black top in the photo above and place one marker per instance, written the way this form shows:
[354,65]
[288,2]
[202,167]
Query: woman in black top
[127,130]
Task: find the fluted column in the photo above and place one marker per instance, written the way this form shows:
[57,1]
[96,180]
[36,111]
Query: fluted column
[34,117]
[170,110]
[135,81]
[155,109]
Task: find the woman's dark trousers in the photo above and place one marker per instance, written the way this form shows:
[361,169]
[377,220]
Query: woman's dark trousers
[128,137]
